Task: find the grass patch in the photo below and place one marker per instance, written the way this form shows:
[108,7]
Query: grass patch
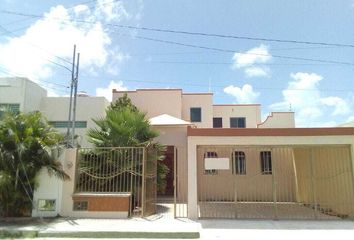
[17,234]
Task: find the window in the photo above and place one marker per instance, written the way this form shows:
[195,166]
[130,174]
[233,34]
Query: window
[210,171]
[266,162]
[80,205]
[237,122]
[46,205]
[217,122]
[196,114]
[65,124]
[239,163]
[12,107]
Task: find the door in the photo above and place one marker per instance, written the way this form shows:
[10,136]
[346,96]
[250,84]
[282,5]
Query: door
[169,162]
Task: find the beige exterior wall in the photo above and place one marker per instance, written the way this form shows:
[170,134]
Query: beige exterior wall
[205,102]
[293,141]
[251,112]
[253,186]
[279,120]
[155,102]
[57,109]
[325,178]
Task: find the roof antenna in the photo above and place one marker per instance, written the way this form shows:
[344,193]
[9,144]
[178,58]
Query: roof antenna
[209,85]
[290,108]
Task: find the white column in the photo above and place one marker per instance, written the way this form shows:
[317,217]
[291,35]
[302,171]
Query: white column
[192,180]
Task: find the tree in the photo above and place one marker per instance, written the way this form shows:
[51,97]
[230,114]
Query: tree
[125,126]
[27,144]
[123,102]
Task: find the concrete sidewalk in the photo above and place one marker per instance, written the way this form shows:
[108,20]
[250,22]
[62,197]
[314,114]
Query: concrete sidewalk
[108,228]
[173,228]
[163,225]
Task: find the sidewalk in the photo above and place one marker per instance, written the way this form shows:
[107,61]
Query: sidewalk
[163,225]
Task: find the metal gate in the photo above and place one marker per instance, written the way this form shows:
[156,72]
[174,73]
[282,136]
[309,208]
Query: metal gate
[276,182]
[128,170]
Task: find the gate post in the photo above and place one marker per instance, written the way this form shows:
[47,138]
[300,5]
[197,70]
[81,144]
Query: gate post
[143,183]
[274,185]
[174,182]
[192,207]
[313,184]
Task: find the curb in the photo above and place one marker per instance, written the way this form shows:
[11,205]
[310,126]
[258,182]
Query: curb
[82,234]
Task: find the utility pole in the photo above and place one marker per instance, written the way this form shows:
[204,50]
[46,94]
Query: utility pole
[70,134]
[75,97]
[71,97]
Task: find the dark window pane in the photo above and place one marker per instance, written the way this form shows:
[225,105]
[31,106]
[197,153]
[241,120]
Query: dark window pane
[65,124]
[196,114]
[12,107]
[80,206]
[217,122]
[266,162]
[237,122]
[239,163]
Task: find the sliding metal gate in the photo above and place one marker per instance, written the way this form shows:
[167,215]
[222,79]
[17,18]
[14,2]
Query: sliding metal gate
[129,170]
[277,182]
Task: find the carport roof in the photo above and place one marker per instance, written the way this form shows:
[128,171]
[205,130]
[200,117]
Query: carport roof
[336,131]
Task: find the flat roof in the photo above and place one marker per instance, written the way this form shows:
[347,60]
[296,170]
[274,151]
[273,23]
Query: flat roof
[229,132]
[160,89]
[236,105]
[147,89]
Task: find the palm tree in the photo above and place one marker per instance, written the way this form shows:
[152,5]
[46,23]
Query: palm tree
[125,126]
[27,144]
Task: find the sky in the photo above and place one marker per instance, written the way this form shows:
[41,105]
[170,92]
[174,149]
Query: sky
[118,51]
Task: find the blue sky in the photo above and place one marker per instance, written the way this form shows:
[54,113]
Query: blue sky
[249,71]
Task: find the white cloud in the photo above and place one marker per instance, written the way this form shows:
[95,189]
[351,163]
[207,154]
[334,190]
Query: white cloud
[341,107]
[250,58]
[111,10]
[242,95]
[257,72]
[107,92]
[29,55]
[311,108]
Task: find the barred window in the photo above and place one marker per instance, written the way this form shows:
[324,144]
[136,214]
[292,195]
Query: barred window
[239,163]
[266,162]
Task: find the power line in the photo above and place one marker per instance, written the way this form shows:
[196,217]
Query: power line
[253,65]
[55,63]
[205,47]
[202,33]
[48,85]
[127,80]
[245,53]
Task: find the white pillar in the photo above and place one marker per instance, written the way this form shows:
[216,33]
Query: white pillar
[192,180]
[68,186]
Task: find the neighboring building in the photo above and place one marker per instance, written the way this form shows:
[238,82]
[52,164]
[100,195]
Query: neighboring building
[21,94]
[225,162]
